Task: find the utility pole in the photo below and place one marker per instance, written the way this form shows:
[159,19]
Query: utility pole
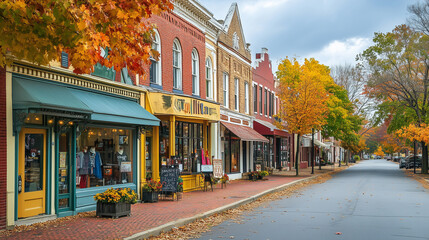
[312,151]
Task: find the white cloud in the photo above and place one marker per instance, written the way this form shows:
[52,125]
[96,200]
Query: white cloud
[341,52]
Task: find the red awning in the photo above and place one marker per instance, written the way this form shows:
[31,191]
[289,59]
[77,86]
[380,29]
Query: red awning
[266,128]
[245,133]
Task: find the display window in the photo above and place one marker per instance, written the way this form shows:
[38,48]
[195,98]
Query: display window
[104,157]
[260,155]
[189,146]
[231,152]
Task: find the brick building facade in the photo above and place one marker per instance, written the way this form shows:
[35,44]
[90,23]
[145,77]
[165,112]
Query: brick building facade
[234,74]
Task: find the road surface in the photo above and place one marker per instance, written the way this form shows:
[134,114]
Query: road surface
[370,200]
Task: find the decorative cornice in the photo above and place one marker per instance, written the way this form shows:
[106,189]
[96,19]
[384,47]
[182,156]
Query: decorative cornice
[81,81]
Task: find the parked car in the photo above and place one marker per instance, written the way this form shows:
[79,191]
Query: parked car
[402,163]
[410,162]
[397,159]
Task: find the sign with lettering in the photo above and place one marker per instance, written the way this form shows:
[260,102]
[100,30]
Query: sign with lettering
[206,168]
[169,177]
[217,168]
[162,103]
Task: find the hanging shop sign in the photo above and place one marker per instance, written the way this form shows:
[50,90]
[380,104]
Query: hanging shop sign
[161,103]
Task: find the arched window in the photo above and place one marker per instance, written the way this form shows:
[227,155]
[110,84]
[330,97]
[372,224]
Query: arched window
[209,76]
[155,67]
[195,73]
[177,65]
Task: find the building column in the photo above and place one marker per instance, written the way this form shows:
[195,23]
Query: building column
[155,154]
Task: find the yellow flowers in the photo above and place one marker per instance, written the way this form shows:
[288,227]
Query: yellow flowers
[112,195]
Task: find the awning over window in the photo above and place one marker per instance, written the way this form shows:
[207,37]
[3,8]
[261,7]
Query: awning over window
[245,133]
[28,94]
[36,95]
[267,128]
[114,109]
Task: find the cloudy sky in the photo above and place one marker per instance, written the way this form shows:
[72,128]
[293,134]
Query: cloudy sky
[331,31]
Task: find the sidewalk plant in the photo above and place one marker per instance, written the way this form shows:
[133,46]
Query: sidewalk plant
[225,178]
[262,174]
[112,195]
[180,184]
[153,186]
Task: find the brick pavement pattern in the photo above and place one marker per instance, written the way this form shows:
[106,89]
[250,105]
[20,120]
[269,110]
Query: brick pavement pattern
[145,216]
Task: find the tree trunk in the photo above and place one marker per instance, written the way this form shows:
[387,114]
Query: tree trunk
[424,158]
[297,155]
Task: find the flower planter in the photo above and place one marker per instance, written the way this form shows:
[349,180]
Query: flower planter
[150,197]
[114,210]
[253,177]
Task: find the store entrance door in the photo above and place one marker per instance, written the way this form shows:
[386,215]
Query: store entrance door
[31,172]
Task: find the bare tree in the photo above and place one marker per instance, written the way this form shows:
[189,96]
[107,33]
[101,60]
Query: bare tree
[419,20]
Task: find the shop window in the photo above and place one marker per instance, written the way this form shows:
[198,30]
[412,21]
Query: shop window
[189,146]
[232,152]
[164,136]
[104,157]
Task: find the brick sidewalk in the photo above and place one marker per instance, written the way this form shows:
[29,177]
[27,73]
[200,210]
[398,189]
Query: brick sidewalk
[146,216]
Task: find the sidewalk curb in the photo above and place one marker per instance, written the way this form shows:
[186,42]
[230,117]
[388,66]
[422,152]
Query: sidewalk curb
[183,221]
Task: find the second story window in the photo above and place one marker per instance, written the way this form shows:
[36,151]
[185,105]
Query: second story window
[246,97]
[225,90]
[265,105]
[255,98]
[236,95]
[195,73]
[155,66]
[260,100]
[177,65]
[209,75]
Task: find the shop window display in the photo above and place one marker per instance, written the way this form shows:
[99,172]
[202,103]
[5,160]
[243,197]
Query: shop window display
[231,152]
[189,146]
[103,157]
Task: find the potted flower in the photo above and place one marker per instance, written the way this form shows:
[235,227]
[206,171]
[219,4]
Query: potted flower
[225,178]
[115,202]
[253,175]
[262,174]
[179,188]
[150,191]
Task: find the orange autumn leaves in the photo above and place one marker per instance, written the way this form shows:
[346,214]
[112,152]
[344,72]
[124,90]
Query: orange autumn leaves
[303,95]
[38,30]
[415,133]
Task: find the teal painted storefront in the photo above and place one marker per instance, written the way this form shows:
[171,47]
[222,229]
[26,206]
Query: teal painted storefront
[79,108]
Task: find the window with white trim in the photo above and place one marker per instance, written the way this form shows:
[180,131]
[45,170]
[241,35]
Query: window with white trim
[225,89]
[260,100]
[209,74]
[236,94]
[246,97]
[195,73]
[155,66]
[177,65]
[255,98]
[266,99]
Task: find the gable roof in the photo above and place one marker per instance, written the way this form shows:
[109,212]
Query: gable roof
[228,20]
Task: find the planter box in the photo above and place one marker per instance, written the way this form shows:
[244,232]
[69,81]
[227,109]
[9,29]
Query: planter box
[150,197]
[253,177]
[114,210]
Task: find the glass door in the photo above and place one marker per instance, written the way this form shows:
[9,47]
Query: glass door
[64,171]
[31,172]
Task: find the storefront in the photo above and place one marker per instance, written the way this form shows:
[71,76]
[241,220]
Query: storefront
[276,153]
[74,137]
[237,142]
[183,139]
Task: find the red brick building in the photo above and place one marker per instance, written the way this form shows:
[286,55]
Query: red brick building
[277,152]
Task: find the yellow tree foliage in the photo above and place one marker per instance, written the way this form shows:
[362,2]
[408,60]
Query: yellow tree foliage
[39,30]
[302,94]
[379,151]
[303,97]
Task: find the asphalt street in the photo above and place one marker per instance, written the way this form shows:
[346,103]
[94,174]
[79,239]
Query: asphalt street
[370,200]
